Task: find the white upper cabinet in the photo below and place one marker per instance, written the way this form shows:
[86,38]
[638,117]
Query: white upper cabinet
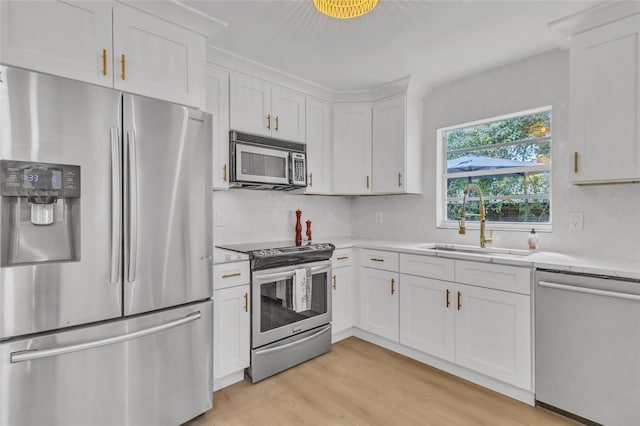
[605,103]
[70,39]
[217,103]
[397,145]
[262,109]
[288,114]
[153,57]
[105,43]
[352,148]
[318,124]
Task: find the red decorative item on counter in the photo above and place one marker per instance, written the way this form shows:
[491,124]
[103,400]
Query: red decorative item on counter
[309,230]
[298,228]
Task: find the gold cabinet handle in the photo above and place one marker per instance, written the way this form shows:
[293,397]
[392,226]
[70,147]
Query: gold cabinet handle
[269,121]
[448,292]
[277,121]
[575,162]
[344,258]
[334,282]
[459,304]
[104,61]
[246,302]
[310,179]
[399,179]
[235,274]
[367,182]
[122,62]
[393,288]
[373,259]
[224,173]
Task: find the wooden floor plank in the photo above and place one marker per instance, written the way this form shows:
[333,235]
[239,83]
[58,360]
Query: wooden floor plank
[359,383]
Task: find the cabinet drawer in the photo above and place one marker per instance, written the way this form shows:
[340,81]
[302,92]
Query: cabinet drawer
[227,275]
[342,257]
[427,266]
[379,259]
[490,275]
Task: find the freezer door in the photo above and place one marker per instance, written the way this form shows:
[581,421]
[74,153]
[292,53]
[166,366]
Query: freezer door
[168,203]
[153,369]
[45,119]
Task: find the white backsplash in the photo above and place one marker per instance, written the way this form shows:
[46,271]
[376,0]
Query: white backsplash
[611,212]
[254,216]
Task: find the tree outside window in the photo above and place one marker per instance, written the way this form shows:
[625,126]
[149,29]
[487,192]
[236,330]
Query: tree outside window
[509,159]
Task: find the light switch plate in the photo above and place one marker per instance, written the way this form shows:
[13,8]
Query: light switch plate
[576,221]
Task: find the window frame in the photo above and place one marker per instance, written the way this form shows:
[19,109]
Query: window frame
[442,176]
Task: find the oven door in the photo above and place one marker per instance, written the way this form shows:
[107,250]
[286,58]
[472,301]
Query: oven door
[259,164]
[290,300]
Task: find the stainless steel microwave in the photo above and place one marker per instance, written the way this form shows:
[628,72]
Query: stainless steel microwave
[259,162]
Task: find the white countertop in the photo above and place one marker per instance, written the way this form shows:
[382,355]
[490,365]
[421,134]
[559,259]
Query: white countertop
[600,265]
[227,256]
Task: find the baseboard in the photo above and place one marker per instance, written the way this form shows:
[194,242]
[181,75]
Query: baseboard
[228,380]
[528,397]
[341,335]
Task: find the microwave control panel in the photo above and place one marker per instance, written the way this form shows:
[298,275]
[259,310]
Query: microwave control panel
[298,169]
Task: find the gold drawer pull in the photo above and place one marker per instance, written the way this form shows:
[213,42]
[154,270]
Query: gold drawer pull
[269,121]
[224,170]
[342,258]
[334,282]
[393,289]
[122,61]
[448,292]
[235,274]
[373,259]
[277,122]
[246,302]
[367,182]
[575,162]
[459,304]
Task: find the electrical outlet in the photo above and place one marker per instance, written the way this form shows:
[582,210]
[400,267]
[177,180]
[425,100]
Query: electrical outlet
[576,221]
[219,220]
[378,217]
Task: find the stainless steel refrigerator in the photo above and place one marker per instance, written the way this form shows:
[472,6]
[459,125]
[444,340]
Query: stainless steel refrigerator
[105,255]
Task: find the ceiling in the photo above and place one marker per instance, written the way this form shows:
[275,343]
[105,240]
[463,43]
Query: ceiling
[433,41]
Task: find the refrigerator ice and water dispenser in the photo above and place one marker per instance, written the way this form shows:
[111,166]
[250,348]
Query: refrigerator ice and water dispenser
[40,212]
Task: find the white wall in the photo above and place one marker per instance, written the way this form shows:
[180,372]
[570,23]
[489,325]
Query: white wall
[253,216]
[611,213]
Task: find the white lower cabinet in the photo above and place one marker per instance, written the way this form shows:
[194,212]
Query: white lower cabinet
[380,302]
[231,328]
[341,299]
[493,333]
[427,316]
[487,330]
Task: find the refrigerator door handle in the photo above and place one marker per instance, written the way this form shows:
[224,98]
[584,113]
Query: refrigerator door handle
[116,206]
[34,354]
[133,207]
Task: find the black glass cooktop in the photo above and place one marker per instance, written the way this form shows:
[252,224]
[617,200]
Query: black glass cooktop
[274,254]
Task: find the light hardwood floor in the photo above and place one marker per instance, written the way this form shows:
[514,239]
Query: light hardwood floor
[359,383]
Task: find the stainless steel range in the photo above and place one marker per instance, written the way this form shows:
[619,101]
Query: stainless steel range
[291,304]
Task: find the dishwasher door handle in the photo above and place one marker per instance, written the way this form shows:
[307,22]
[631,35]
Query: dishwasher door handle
[586,290]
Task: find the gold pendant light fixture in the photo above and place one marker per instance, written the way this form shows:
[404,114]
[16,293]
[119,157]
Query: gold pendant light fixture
[345,9]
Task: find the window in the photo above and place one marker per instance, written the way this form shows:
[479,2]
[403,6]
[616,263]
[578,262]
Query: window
[509,158]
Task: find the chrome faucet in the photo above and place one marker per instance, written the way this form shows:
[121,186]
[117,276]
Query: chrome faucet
[462,223]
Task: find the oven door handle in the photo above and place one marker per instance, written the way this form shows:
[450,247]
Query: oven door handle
[277,276]
[320,268]
[297,342]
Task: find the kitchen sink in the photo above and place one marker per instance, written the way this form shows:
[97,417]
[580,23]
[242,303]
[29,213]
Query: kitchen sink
[488,251]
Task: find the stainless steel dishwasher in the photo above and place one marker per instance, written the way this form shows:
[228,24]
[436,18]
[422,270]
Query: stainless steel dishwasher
[588,346]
